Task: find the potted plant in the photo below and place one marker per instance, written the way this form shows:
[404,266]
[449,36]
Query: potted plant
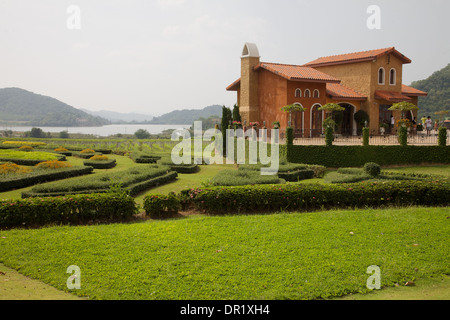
[383,127]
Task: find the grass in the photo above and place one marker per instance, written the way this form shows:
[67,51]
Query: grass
[277,256]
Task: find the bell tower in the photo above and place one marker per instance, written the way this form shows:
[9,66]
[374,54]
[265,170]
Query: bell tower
[248,104]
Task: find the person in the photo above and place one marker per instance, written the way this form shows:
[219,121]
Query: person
[414,125]
[428,125]
[392,123]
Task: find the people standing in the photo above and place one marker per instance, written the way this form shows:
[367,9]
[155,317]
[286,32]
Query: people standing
[392,123]
[428,125]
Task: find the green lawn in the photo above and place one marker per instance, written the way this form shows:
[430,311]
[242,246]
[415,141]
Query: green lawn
[277,256]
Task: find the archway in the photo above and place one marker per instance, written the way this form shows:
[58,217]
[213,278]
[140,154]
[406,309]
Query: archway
[348,125]
[297,122]
[316,117]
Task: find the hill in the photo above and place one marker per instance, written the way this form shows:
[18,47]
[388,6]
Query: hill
[438,88]
[22,107]
[187,116]
[119,117]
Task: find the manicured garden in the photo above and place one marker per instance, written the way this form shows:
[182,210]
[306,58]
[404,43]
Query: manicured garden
[307,232]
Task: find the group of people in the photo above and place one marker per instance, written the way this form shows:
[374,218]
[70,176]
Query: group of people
[427,124]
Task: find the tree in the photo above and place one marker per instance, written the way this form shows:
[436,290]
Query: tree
[36,133]
[403,106]
[142,134]
[226,119]
[64,135]
[329,108]
[236,114]
[292,108]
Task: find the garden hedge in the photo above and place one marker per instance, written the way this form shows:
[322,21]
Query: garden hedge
[302,197]
[357,156]
[100,164]
[75,209]
[29,162]
[30,179]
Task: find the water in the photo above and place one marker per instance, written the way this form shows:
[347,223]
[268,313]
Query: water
[105,130]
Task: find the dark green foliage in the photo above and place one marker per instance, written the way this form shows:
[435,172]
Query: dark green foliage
[28,162]
[135,180]
[139,157]
[442,137]
[226,119]
[366,134]
[40,176]
[243,177]
[236,114]
[270,198]
[438,88]
[289,136]
[328,136]
[180,168]
[361,117]
[142,134]
[36,133]
[100,164]
[75,209]
[161,205]
[372,168]
[403,136]
[297,175]
[64,135]
[357,156]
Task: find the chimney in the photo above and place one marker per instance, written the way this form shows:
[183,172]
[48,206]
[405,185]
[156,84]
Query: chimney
[248,104]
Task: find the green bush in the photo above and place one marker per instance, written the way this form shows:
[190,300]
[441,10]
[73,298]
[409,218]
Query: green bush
[357,156]
[329,136]
[442,137]
[296,175]
[135,179]
[40,176]
[243,177]
[66,210]
[161,205]
[289,136]
[270,198]
[366,134]
[100,164]
[372,168]
[180,168]
[403,136]
[140,157]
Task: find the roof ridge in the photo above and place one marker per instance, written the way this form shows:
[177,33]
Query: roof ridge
[343,54]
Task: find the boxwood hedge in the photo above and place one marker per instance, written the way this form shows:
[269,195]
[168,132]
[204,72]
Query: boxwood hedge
[100,164]
[356,156]
[75,209]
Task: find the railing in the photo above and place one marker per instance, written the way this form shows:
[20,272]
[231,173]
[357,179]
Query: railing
[317,137]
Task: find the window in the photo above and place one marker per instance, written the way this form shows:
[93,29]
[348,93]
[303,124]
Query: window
[316,93]
[392,77]
[307,93]
[381,76]
[298,93]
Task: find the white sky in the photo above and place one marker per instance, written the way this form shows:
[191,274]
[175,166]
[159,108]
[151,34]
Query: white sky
[155,56]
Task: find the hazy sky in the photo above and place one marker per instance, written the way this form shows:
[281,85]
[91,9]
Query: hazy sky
[155,56]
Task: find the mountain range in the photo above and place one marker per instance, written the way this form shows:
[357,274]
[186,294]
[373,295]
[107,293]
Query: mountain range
[120,117]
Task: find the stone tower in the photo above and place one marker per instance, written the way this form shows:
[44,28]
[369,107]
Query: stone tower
[248,104]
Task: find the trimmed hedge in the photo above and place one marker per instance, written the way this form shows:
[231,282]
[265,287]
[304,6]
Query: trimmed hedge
[66,210]
[32,179]
[100,164]
[270,198]
[296,175]
[161,205]
[144,158]
[28,162]
[357,156]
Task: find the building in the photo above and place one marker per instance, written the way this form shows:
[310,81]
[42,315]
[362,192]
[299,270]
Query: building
[370,81]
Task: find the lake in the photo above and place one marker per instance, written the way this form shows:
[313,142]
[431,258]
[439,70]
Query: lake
[105,130]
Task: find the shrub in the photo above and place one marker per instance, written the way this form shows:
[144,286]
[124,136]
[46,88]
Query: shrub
[442,137]
[328,136]
[61,149]
[97,163]
[53,164]
[159,205]
[366,134]
[243,177]
[26,148]
[12,168]
[357,156]
[66,210]
[403,136]
[270,198]
[98,157]
[372,169]
[289,136]
[87,151]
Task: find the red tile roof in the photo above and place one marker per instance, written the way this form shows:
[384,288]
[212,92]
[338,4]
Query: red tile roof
[235,85]
[391,96]
[339,91]
[357,57]
[412,92]
[297,73]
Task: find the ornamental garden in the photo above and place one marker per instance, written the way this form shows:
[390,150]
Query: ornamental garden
[202,230]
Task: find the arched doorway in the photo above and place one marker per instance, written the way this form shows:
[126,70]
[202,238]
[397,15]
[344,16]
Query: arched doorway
[297,122]
[348,124]
[316,121]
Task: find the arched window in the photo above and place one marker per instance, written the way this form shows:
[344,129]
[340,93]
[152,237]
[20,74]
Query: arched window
[298,93]
[307,93]
[381,75]
[392,77]
[316,93]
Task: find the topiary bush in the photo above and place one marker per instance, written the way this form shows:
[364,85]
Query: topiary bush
[328,136]
[403,136]
[442,137]
[161,205]
[372,169]
[366,133]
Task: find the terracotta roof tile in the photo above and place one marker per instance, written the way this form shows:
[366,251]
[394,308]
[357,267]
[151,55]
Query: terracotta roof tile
[391,96]
[235,85]
[297,73]
[339,91]
[410,91]
[357,57]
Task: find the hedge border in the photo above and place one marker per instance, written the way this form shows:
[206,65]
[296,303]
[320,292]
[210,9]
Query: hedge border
[101,164]
[357,156]
[30,162]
